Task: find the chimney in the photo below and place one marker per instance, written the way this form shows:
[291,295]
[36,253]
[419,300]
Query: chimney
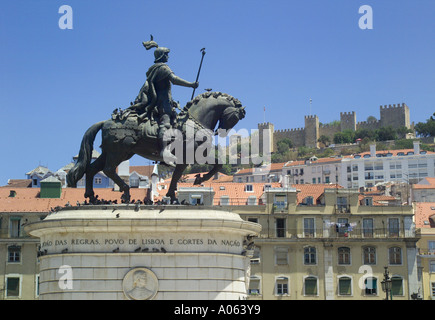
[372,150]
[417,147]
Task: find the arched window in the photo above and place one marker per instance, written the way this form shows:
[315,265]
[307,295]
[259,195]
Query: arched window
[310,286]
[369,255]
[310,255]
[343,255]
[397,286]
[395,255]
[370,286]
[345,286]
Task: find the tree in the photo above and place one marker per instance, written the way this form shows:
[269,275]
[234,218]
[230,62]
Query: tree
[284,145]
[346,136]
[426,129]
[385,133]
[371,119]
[325,140]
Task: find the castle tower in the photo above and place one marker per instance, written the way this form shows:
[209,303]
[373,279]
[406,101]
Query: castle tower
[312,131]
[395,115]
[266,130]
[348,121]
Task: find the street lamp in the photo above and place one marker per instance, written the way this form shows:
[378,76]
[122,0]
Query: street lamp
[387,284]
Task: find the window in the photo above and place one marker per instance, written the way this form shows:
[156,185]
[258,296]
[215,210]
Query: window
[256,257]
[432,266]
[310,256]
[327,179]
[252,200]
[282,285]
[98,180]
[249,188]
[309,201]
[14,254]
[393,227]
[342,204]
[344,255]
[13,286]
[281,256]
[280,227]
[280,201]
[369,255]
[342,227]
[314,180]
[310,286]
[370,284]
[395,255]
[368,201]
[396,286]
[309,231]
[345,286]
[195,199]
[255,220]
[254,285]
[15,227]
[225,200]
[433,289]
[368,228]
[134,182]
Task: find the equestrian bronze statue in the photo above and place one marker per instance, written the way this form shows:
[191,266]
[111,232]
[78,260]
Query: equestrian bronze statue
[141,129]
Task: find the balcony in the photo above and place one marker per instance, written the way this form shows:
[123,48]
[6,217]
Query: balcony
[342,233]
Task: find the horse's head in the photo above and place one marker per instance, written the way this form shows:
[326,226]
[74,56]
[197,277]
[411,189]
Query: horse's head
[232,114]
[230,117]
[212,107]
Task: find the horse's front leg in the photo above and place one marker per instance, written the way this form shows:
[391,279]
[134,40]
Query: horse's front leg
[178,172]
[208,175]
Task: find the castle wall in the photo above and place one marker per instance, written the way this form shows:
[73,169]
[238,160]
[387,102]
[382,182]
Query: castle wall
[369,125]
[312,131]
[392,115]
[297,136]
[329,130]
[395,115]
[348,121]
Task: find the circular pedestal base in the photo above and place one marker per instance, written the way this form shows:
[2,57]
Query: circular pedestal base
[169,252]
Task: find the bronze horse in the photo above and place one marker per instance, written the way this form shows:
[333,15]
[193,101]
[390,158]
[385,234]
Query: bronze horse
[125,135]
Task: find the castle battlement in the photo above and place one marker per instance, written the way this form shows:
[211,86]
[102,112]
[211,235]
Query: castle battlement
[394,106]
[311,117]
[368,122]
[394,115]
[350,113]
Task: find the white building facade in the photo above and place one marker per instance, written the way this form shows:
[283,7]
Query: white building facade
[375,167]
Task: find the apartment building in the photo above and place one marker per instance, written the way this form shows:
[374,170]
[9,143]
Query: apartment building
[316,242]
[368,169]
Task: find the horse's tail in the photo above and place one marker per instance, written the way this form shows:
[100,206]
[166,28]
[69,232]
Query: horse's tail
[85,155]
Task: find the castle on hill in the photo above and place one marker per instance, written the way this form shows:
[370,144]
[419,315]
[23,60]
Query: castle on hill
[396,116]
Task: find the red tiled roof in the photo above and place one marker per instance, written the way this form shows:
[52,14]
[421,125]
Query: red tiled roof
[27,199]
[428,183]
[423,212]
[312,190]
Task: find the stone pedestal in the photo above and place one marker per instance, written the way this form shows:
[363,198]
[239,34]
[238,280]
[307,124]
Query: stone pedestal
[148,252]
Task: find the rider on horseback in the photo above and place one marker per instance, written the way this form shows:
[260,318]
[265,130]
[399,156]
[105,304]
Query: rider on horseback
[156,92]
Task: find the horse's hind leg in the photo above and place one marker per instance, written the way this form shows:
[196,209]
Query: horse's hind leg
[92,170]
[112,162]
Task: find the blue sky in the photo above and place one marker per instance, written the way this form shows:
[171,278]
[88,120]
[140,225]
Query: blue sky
[276,54]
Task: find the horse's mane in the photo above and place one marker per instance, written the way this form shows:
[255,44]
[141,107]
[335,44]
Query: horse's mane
[207,95]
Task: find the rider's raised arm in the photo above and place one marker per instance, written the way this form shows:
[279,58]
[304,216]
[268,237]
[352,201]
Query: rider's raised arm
[181,82]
